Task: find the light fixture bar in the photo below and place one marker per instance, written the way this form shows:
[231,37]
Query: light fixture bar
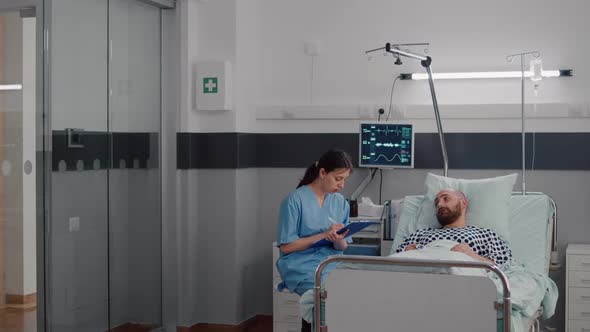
[485,74]
[11,87]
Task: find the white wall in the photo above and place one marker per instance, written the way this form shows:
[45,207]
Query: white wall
[212,205]
[248,62]
[208,32]
[249,245]
[187,235]
[275,81]
[463,35]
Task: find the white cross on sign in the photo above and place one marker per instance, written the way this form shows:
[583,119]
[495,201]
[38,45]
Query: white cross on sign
[210,85]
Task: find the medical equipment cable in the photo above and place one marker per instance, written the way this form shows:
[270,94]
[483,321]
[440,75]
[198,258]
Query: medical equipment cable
[534,135]
[391,97]
[536,94]
[380,184]
[311,81]
[387,223]
[371,180]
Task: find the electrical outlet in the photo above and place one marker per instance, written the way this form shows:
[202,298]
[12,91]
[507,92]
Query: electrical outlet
[74,224]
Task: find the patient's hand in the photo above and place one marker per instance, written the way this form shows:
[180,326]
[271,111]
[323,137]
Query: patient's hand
[411,246]
[464,248]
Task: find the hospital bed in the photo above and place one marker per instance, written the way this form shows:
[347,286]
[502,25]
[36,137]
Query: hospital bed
[364,297]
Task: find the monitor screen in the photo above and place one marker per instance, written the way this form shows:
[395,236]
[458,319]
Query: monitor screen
[386,145]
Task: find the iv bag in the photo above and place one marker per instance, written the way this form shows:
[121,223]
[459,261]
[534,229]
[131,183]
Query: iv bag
[536,70]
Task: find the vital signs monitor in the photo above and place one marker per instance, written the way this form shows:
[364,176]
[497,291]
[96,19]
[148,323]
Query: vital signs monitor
[386,145]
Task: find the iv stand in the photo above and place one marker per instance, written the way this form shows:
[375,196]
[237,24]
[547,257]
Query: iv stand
[425,61]
[510,58]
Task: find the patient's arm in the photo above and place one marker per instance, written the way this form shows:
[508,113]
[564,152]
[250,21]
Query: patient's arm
[464,248]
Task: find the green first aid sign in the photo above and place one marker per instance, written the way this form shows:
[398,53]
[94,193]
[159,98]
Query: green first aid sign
[210,85]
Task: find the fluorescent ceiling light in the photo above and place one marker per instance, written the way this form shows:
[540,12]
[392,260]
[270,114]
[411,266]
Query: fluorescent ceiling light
[11,87]
[485,74]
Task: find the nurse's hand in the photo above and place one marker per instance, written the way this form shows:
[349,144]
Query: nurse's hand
[331,234]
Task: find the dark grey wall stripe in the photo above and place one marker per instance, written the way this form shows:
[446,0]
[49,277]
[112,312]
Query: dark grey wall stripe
[553,151]
[301,150]
[129,150]
[214,150]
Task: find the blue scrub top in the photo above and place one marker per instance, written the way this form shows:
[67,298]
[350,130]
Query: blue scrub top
[301,216]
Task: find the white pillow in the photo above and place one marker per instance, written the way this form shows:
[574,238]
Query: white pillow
[487,201]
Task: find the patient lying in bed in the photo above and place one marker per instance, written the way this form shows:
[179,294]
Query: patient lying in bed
[529,289]
[479,243]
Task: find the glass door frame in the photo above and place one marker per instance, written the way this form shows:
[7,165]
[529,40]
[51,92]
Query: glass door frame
[44,153]
[42,146]
[43,143]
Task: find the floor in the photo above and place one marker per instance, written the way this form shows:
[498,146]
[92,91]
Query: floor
[263,324]
[18,320]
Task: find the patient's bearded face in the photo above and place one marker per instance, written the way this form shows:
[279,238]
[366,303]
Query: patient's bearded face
[449,213]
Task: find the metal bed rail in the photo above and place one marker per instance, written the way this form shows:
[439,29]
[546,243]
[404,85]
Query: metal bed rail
[507,306]
[554,256]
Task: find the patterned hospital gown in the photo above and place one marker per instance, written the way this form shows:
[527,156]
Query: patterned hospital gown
[482,241]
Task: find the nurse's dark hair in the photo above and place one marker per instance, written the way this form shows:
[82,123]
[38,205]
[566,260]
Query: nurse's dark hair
[329,161]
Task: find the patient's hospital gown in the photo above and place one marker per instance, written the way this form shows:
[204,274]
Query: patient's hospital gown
[300,216]
[482,241]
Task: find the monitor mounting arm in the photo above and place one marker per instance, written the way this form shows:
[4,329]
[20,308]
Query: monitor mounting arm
[425,61]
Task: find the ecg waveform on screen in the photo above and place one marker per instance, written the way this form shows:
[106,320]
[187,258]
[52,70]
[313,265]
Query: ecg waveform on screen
[389,160]
[388,145]
[386,131]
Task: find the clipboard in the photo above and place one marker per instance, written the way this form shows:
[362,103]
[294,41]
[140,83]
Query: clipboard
[353,227]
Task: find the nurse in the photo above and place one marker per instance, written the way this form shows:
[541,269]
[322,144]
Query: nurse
[314,211]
